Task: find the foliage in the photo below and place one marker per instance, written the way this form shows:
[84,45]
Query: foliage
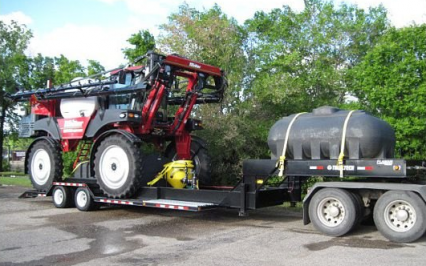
[143,41]
[300,60]
[233,139]
[17,143]
[5,165]
[67,70]
[13,42]
[94,67]
[68,160]
[41,69]
[391,83]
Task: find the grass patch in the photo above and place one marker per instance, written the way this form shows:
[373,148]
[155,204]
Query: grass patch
[12,174]
[22,181]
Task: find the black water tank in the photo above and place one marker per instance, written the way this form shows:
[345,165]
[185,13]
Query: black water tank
[318,135]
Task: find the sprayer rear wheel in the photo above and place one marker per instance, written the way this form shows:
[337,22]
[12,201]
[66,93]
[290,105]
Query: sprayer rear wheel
[200,156]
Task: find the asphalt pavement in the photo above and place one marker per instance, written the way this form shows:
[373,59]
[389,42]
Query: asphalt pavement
[34,232]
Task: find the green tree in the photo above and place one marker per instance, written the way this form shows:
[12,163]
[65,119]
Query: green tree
[391,83]
[300,61]
[41,70]
[94,67]
[143,41]
[66,70]
[13,42]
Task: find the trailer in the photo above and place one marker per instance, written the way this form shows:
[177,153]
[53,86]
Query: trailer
[385,189]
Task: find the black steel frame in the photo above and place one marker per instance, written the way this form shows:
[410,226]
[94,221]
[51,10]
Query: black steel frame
[252,192]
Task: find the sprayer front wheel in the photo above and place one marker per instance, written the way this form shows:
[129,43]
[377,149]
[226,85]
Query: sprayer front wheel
[44,164]
[118,166]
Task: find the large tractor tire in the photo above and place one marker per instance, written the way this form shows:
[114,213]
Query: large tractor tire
[118,166]
[200,156]
[44,164]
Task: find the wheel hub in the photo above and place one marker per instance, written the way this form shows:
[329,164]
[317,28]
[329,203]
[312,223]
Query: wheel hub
[334,211]
[400,216]
[40,167]
[331,212]
[58,196]
[82,198]
[114,167]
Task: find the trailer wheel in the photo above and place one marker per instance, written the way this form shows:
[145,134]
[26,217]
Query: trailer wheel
[333,211]
[118,166]
[400,216]
[62,197]
[83,200]
[45,165]
[201,158]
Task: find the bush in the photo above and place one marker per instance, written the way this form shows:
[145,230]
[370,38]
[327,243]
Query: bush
[233,139]
[6,165]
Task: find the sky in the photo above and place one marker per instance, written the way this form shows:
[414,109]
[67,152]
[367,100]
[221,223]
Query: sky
[98,29]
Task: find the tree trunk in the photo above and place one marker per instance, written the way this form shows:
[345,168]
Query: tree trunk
[3,113]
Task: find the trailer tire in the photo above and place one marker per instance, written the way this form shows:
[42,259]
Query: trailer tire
[201,158]
[400,216]
[62,197]
[118,166]
[45,164]
[333,211]
[84,201]
[360,209]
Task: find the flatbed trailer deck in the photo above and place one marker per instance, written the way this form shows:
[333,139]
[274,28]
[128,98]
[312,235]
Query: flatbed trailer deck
[335,208]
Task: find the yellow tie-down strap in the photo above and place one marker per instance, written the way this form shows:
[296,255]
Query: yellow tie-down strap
[340,163]
[280,163]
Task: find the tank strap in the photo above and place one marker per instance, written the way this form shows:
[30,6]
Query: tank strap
[280,163]
[340,163]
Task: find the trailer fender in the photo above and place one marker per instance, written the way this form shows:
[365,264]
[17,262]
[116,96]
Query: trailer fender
[48,139]
[354,186]
[130,136]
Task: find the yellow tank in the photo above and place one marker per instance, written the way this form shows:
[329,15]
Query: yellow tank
[177,173]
